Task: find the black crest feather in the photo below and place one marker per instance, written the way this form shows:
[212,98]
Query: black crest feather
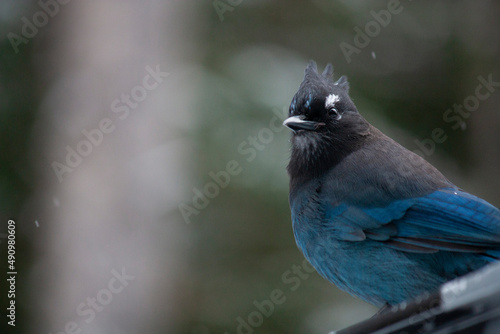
[328,72]
[312,75]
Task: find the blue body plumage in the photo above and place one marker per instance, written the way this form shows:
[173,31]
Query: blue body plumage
[372,217]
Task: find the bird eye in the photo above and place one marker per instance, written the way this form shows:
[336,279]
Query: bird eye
[334,112]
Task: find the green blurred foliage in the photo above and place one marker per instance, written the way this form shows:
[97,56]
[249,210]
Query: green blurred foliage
[19,98]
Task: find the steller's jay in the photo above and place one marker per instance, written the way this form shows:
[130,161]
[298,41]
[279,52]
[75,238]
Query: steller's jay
[373,218]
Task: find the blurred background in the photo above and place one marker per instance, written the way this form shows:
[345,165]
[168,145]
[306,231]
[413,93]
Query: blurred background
[143,161]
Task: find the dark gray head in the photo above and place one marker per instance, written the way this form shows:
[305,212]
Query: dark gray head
[318,99]
[325,123]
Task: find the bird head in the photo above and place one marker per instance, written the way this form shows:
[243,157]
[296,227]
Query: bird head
[325,123]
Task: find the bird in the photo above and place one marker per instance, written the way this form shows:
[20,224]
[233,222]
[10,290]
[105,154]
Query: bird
[375,219]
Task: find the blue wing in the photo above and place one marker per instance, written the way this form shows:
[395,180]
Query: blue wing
[447,219]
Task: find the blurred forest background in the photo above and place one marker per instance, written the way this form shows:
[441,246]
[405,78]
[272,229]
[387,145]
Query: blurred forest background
[70,68]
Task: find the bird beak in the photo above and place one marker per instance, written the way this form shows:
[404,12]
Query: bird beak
[296,123]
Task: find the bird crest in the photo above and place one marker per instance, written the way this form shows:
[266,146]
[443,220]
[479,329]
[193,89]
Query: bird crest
[326,78]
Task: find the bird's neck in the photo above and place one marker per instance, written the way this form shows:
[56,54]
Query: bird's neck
[312,156]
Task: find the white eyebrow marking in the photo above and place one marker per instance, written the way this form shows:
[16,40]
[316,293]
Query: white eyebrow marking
[331,100]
